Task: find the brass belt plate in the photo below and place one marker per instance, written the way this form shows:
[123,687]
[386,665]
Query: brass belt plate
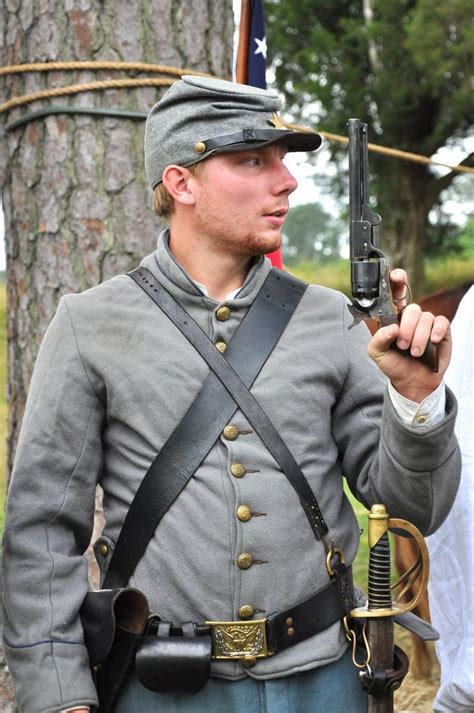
[238,639]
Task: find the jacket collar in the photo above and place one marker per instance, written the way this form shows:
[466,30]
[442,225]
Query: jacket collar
[173,276]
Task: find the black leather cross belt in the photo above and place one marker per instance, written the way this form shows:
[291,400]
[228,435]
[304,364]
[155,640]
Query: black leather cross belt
[247,641]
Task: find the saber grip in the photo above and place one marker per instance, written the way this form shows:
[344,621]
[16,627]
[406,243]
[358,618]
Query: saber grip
[379,594]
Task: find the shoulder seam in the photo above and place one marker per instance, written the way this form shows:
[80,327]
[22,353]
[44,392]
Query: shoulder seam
[79,351]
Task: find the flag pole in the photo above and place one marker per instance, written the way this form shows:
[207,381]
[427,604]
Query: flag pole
[242,73]
[244,40]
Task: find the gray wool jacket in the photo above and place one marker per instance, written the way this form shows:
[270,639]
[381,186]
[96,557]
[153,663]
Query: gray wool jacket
[112,380]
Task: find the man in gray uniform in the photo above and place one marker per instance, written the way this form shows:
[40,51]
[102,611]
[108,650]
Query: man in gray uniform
[114,377]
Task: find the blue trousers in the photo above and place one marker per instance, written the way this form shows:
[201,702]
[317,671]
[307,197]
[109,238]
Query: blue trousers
[334,688]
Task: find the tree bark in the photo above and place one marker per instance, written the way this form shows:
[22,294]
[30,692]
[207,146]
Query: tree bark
[77,207]
[404,207]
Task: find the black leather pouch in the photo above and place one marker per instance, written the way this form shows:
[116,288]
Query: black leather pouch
[113,621]
[173,661]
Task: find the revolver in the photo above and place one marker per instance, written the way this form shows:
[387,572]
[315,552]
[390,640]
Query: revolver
[370,271]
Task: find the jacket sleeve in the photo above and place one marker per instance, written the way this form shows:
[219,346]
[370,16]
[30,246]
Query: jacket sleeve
[49,521]
[414,473]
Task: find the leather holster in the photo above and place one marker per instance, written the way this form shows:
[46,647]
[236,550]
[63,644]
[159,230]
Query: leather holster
[113,621]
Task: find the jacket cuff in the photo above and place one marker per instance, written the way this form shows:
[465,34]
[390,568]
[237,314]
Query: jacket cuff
[428,447]
[65,681]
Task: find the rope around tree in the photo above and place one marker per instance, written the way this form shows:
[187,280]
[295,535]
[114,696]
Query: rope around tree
[163,82]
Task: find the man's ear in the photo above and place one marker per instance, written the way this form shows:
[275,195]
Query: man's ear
[176,179]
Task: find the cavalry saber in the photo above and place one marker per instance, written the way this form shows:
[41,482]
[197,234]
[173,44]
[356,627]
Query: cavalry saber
[386,664]
[380,631]
[370,271]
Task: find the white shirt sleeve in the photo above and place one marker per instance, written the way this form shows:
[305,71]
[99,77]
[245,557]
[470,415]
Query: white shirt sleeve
[422,415]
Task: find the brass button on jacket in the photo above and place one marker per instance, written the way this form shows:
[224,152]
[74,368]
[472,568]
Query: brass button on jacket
[244,513]
[244,561]
[221,346]
[230,432]
[237,470]
[249,661]
[223,313]
[246,611]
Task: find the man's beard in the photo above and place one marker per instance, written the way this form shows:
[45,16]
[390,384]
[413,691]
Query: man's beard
[225,238]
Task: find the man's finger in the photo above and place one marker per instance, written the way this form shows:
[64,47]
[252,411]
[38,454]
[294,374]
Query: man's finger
[381,341]
[440,330]
[408,324]
[422,333]
[399,282]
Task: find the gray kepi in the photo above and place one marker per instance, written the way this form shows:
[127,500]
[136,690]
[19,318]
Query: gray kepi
[201,116]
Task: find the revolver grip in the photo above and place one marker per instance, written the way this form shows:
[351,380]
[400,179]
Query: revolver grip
[430,356]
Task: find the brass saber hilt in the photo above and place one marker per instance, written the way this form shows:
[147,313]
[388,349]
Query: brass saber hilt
[385,664]
[380,603]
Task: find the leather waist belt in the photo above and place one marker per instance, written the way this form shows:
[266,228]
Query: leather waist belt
[249,640]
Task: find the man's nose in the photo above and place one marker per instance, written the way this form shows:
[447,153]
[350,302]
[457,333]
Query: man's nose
[285,182]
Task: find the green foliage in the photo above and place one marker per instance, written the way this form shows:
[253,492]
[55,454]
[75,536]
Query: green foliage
[360,565]
[335,274]
[404,69]
[444,273]
[441,273]
[466,240]
[311,234]
[440,39]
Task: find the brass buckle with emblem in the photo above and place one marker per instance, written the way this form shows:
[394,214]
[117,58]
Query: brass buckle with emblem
[239,640]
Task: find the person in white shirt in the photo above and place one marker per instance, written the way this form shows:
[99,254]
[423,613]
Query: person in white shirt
[451,585]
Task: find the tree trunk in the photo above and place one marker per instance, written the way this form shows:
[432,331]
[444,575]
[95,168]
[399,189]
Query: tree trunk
[77,207]
[404,218]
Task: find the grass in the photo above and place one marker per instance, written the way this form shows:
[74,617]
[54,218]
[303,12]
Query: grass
[359,567]
[440,273]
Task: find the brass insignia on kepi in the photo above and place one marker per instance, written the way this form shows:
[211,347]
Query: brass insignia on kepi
[200,147]
[277,122]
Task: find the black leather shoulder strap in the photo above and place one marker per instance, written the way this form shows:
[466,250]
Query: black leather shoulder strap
[192,439]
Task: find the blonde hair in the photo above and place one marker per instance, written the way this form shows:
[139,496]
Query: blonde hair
[163,202]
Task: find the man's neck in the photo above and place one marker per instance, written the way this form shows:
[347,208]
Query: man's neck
[220,273]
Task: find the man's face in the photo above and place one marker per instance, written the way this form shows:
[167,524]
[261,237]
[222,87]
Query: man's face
[242,200]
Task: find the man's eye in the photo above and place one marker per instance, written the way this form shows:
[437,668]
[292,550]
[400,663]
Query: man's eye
[253,161]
